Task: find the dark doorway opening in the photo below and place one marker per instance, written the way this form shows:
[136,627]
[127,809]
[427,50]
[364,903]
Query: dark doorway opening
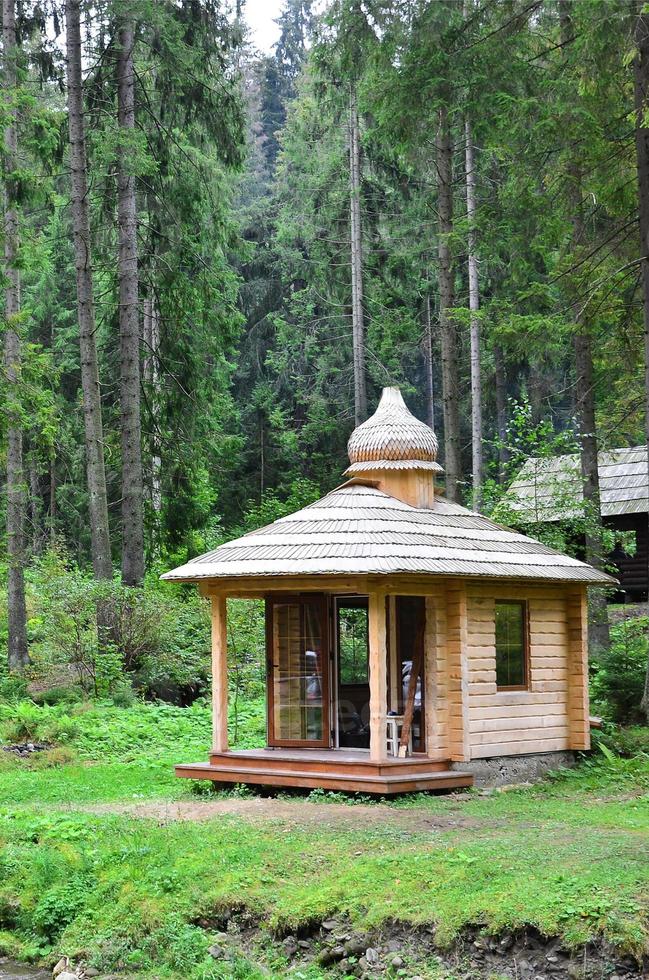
[352,648]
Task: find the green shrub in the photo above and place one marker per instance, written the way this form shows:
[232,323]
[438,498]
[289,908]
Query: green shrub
[12,688]
[618,676]
[58,695]
[58,907]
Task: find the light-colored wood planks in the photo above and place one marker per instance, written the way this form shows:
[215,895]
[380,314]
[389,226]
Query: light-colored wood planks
[377,629]
[457,672]
[219,675]
[578,704]
[528,721]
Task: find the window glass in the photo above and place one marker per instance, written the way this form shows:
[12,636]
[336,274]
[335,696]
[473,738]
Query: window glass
[511,645]
[352,644]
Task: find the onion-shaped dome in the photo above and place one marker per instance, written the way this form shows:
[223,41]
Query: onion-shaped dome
[392,438]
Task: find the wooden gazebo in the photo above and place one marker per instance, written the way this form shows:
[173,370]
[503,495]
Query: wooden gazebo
[407,637]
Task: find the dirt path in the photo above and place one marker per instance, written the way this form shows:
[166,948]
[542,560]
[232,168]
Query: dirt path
[299,814]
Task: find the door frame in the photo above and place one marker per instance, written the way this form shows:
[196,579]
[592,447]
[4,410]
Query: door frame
[319,600]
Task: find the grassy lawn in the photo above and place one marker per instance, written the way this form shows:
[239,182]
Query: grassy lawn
[569,857]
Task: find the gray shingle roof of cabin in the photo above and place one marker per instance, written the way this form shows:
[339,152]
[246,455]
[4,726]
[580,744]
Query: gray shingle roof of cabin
[551,489]
[359,530]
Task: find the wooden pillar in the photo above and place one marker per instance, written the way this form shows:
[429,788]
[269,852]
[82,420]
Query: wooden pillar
[458,672]
[378,675]
[578,705]
[219,674]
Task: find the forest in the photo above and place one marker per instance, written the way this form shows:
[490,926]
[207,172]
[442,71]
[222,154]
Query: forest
[215,258]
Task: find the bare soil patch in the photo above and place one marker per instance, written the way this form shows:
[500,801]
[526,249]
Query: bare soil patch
[336,816]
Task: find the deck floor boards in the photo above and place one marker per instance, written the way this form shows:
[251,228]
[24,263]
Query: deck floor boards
[348,770]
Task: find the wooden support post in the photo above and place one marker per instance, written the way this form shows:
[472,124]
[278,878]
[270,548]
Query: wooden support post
[578,706]
[458,672]
[378,675]
[219,674]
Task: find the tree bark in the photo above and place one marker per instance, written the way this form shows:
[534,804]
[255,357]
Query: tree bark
[18,655]
[93,426]
[500,384]
[129,326]
[474,306]
[428,363]
[358,325]
[448,328]
[641,93]
[151,371]
[598,625]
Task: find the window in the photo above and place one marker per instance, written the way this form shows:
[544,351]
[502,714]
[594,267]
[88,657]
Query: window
[353,651]
[511,644]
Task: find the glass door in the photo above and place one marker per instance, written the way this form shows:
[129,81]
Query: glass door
[298,671]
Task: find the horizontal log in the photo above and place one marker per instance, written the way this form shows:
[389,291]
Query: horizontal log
[520,748]
[518,711]
[491,698]
[530,723]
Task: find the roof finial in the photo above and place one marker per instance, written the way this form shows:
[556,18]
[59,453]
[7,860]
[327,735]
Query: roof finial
[392,438]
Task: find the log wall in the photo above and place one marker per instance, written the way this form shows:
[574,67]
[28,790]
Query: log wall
[552,714]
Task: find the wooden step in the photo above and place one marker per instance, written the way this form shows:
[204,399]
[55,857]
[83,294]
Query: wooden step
[307,778]
[282,760]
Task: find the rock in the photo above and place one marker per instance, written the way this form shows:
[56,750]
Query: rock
[372,956]
[66,975]
[91,972]
[397,962]
[329,924]
[355,946]
[506,942]
[575,971]
[304,944]
[331,955]
[362,963]
[393,946]
[216,952]
[62,965]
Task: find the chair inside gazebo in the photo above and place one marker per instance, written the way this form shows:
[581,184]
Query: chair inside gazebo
[346,697]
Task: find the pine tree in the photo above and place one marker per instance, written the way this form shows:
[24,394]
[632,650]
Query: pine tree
[17,612]
[94,436]
[129,324]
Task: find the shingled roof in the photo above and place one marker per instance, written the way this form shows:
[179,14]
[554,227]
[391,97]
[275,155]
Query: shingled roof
[359,530]
[551,489]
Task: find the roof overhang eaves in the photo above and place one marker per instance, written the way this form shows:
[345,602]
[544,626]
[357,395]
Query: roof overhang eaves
[261,578]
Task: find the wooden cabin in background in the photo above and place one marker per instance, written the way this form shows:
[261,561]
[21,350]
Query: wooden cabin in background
[548,490]
[409,640]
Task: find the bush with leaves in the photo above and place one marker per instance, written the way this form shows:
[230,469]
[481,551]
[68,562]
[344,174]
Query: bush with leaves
[618,676]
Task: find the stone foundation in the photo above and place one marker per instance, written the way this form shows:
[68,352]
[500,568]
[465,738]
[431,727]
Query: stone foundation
[504,770]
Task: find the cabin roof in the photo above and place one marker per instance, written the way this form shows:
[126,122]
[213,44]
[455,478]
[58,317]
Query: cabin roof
[550,489]
[358,529]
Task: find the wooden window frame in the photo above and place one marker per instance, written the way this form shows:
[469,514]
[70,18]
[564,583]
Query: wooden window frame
[319,600]
[525,686]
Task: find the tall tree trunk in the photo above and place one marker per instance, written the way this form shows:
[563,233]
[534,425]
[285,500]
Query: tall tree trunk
[94,437]
[129,326]
[151,372]
[358,325]
[500,384]
[598,626]
[641,91]
[448,328]
[428,363]
[18,655]
[474,306]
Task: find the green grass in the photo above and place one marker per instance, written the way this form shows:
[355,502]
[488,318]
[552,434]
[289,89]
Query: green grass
[568,857]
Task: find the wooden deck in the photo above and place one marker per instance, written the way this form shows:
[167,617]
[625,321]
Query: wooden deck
[336,769]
